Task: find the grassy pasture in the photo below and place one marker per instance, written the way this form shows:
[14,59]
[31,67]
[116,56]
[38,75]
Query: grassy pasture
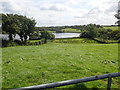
[75,40]
[70,30]
[112,27]
[53,62]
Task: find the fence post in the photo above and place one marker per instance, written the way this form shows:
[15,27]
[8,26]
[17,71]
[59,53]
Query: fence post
[109,82]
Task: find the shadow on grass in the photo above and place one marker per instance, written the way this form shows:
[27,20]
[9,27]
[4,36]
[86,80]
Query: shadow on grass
[72,87]
[81,87]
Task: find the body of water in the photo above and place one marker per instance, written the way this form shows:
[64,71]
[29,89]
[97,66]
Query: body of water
[5,37]
[57,35]
[66,35]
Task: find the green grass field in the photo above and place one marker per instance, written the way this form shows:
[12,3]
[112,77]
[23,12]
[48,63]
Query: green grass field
[34,65]
[112,27]
[75,40]
[70,30]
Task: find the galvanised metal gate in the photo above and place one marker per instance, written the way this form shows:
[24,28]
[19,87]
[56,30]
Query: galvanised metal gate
[74,81]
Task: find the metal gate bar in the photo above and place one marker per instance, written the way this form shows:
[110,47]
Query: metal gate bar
[74,81]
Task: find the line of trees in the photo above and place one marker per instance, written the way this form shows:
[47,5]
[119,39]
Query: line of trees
[23,26]
[92,31]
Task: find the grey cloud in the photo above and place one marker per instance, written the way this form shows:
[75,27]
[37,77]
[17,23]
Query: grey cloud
[10,7]
[53,8]
[77,17]
[43,8]
[6,7]
[94,11]
[113,7]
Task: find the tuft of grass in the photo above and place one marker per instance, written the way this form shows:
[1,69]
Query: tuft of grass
[34,65]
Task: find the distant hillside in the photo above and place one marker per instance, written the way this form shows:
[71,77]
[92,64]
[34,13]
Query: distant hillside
[111,27]
[70,30]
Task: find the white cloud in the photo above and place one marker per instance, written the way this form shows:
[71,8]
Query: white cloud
[63,12]
[10,6]
[101,12]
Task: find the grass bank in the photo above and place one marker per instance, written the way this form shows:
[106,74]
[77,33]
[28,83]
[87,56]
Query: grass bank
[53,62]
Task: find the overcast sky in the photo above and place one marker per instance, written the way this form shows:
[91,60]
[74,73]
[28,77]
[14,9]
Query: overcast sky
[64,12]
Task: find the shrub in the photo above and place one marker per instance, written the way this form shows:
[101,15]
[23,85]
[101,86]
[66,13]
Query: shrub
[90,31]
[85,34]
[12,44]
[7,43]
[108,34]
[45,35]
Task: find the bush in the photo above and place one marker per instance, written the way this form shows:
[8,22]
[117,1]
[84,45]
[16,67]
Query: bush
[108,34]
[34,36]
[47,36]
[18,42]
[12,44]
[7,43]
[85,34]
[90,31]
[115,34]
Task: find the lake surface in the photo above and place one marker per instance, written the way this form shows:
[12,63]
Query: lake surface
[57,35]
[66,35]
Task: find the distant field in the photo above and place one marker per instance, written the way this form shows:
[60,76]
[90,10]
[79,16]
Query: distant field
[53,62]
[70,30]
[112,27]
[75,40]
[52,31]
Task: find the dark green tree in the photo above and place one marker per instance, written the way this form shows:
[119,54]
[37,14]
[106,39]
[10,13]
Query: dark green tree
[27,27]
[118,17]
[18,24]
[10,25]
[90,31]
[47,35]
